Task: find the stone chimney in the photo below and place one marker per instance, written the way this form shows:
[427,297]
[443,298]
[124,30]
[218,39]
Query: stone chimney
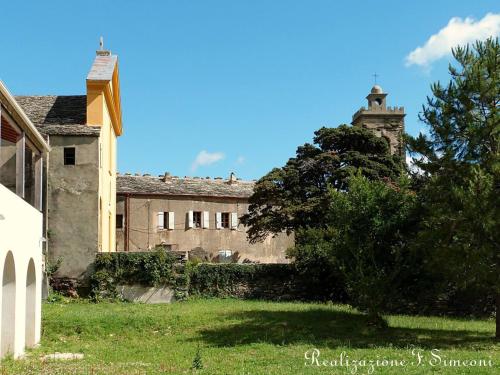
[166,176]
[232,179]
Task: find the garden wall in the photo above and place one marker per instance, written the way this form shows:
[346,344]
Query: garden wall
[158,271]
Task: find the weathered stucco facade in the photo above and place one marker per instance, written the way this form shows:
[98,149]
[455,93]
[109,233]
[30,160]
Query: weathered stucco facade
[384,121]
[73,206]
[164,211]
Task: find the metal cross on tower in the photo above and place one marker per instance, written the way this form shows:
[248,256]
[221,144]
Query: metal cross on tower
[375,75]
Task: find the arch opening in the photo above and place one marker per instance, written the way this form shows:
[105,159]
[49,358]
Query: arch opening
[30,337]
[8,306]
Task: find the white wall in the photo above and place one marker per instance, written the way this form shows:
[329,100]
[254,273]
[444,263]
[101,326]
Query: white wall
[20,234]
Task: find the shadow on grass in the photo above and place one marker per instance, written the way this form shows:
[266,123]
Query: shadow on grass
[332,329]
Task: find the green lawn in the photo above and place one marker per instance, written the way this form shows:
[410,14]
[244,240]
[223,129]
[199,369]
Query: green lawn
[246,337]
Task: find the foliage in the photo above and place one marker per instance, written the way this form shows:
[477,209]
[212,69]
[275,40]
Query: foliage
[55,297]
[316,266]
[197,361]
[460,163]
[296,195]
[371,226]
[463,117]
[145,268]
[52,267]
[242,280]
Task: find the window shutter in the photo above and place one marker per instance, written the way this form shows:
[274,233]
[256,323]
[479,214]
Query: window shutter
[161,220]
[171,222]
[218,220]
[190,219]
[234,220]
[206,219]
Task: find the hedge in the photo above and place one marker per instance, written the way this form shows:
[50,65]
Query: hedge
[159,267]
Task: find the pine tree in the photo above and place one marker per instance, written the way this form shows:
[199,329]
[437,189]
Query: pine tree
[460,163]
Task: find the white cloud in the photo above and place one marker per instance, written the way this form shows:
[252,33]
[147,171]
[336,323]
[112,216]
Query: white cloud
[458,32]
[240,160]
[206,158]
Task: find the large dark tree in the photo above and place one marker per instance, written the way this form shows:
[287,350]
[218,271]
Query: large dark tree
[460,163]
[296,195]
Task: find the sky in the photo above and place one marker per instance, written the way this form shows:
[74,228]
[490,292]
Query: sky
[213,87]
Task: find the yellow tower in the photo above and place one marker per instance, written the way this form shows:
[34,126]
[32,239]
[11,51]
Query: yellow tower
[104,110]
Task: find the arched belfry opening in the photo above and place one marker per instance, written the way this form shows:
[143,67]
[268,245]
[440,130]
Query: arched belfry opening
[30,337]
[8,306]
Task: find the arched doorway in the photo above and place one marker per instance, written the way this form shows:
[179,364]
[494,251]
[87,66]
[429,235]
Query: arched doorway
[8,306]
[30,305]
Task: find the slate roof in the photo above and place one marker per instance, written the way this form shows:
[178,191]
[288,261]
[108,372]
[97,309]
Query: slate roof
[58,114]
[102,68]
[183,186]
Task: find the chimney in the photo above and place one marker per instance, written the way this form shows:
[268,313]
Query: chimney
[232,179]
[166,176]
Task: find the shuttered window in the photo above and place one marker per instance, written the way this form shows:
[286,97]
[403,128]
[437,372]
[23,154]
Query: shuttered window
[225,220]
[197,219]
[166,220]
[161,220]
[171,222]
[206,219]
[218,220]
[234,220]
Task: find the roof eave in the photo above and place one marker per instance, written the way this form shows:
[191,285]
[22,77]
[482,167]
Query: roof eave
[38,138]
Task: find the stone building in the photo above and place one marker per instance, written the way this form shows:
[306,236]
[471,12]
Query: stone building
[82,131]
[384,121]
[194,216]
[23,154]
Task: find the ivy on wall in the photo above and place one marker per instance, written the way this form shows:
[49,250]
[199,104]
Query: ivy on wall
[153,268]
[159,267]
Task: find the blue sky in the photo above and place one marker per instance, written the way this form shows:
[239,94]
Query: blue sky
[244,81]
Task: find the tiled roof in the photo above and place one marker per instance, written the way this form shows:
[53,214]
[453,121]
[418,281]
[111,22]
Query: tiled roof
[57,114]
[183,186]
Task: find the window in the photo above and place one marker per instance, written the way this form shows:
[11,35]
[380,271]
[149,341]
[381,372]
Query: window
[225,256]
[197,219]
[225,220]
[119,221]
[69,156]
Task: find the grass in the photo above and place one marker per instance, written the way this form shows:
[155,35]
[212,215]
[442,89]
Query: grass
[225,336]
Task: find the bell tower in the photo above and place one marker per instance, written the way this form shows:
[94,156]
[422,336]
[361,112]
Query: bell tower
[387,122]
